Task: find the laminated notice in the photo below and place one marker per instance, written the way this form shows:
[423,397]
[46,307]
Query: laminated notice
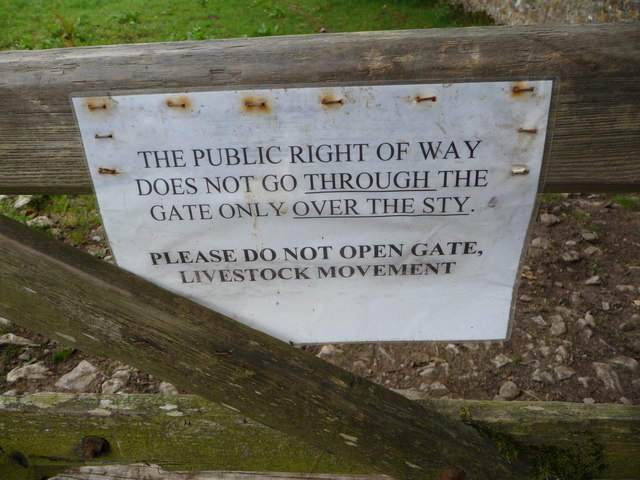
[344,214]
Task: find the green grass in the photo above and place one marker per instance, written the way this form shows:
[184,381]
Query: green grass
[37,24]
[75,216]
[61,355]
[549,199]
[628,202]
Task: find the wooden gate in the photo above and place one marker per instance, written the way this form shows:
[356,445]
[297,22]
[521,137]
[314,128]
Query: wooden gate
[593,144]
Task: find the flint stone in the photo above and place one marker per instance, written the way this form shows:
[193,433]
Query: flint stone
[571,256]
[540,242]
[438,387]
[625,363]
[545,350]
[11,339]
[79,378]
[595,280]
[608,376]
[329,350]
[165,388]
[548,219]
[500,360]
[35,371]
[113,385]
[543,376]
[359,365]
[576,299]
[509,390]
[591,250]
[563,372]
[429,371]
[450,347]
[122,373]
[588,320]
[558,327]
[21,201]
[626,288]
[562,355]
[539,320]
[40,221]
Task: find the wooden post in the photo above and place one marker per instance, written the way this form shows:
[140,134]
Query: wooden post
[595,69]
[72,297]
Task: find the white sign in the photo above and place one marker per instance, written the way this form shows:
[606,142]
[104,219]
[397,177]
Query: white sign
[368,213]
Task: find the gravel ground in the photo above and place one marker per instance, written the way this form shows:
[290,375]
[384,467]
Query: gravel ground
[529,12]
[575,337]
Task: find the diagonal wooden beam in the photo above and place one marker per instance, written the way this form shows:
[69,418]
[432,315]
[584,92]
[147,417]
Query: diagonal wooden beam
[70,296]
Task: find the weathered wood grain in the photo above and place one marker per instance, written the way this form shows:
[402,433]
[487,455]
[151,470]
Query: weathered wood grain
[174,432]
[615,428]
[188,433]
[153,472]
[594,144]
[70,296]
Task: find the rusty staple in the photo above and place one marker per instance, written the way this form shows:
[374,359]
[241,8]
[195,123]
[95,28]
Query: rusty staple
[100,137]
[175,105]
[520,170]
[522,89]
[425,99]
[107,171]
[332,102]
[528,130]
[255,105]
[91,106]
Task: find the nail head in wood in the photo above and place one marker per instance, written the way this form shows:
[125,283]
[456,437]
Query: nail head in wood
[452,473]
[93,447]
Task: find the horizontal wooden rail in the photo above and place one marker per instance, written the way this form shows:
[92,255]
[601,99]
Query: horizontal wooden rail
[594,139]
[72,297]
[188,433]
[153,472]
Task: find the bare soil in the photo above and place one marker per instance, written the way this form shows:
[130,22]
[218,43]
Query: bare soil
[575,337]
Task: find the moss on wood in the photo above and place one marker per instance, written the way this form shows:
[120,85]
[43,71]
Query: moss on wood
[586,460]
[186,432]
